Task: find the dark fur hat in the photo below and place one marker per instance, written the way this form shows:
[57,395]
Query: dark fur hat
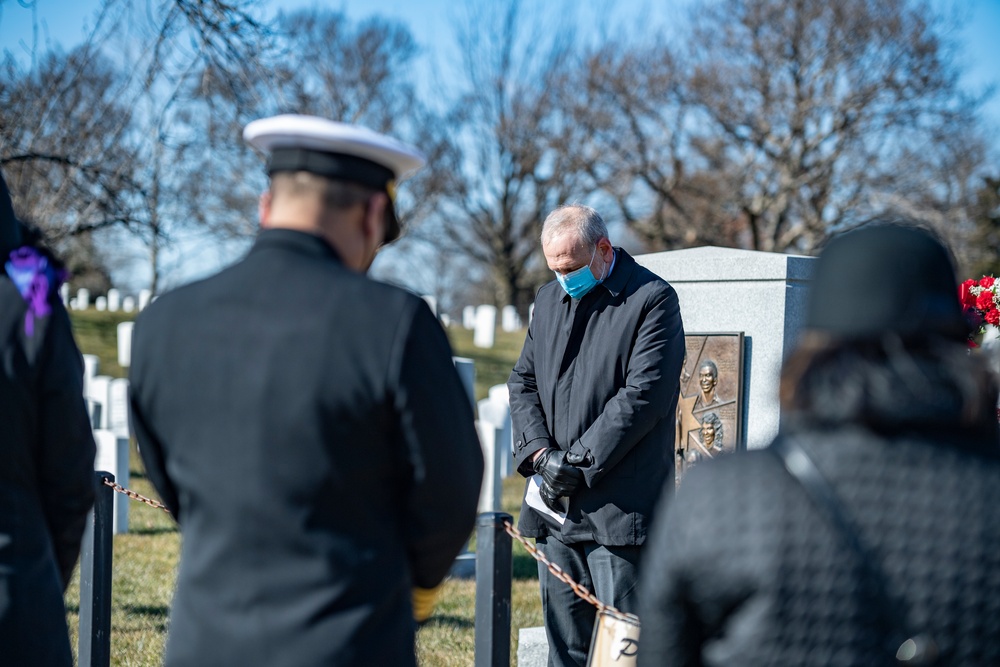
[885,278]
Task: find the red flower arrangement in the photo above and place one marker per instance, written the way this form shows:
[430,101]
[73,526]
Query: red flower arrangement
[980,302]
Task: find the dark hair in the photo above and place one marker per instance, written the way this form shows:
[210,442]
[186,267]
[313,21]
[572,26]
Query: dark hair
[888,384]
[32,236]
[336,194]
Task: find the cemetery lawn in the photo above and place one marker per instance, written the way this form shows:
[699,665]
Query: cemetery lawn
[145,559]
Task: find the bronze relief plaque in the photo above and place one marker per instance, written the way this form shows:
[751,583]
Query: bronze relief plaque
[710,406]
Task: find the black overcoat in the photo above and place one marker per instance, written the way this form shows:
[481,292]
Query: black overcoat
[601,375]
[743,569]
[46,479]
[308,430]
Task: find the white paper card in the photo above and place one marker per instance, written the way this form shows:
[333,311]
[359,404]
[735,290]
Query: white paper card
[534,500]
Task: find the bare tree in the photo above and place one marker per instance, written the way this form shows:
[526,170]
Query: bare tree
[517,144]
[809,105]
[64,150]
[637,147]
[981,254]
[95,139]
[327,65]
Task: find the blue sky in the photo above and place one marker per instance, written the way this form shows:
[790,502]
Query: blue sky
[431,21]
[66,23]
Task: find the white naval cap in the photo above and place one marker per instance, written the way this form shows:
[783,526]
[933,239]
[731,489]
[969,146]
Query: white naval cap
[335,150]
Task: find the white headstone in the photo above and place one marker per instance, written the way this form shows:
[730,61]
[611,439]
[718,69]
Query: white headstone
[445,319]
[112,457]
[509,319]
[74,304]
[100,303]
[118,411]
[91,366]
[98,391]
[495,410]
[432,303]
[486,323]
[144,296]
[128,304]
[125,344]
[761,294]
[469,317]
[491,491]
[83,298]
[114,300]
[467,373]
[64,294]
[531,312]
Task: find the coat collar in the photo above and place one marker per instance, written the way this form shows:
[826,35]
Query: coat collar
[296,241]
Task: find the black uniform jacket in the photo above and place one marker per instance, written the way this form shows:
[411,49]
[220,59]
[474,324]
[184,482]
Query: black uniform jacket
[46,479]
[309,432]
[601,375]
[743,569]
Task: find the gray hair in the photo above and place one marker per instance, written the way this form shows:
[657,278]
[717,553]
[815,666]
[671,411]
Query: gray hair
[716,423]
[581,221]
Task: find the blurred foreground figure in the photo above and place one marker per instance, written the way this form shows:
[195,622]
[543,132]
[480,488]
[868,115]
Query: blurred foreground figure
[46,452]
[306,425]
[870,530]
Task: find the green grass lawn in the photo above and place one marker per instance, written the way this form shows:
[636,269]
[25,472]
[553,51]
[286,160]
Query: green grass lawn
[145,559]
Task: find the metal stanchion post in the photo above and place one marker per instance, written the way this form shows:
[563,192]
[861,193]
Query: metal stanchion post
[95,578]
[493,582]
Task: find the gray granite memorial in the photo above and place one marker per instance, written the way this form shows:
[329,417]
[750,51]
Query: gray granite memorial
[760,294]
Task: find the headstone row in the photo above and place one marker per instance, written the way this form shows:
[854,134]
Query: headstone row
[113,302]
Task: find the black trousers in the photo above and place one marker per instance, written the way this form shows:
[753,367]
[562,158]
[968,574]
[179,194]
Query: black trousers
[611,573]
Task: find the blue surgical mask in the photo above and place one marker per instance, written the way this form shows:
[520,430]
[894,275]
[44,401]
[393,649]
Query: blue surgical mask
[578,283]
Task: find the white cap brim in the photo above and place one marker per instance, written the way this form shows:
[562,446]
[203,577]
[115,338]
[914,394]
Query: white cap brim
[320,134]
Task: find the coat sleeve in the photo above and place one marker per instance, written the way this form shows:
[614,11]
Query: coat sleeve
[436,421]
[531,432]
[66,454]
[649,393]
[150,448]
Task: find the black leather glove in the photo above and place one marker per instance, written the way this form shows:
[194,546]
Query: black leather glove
[584,460]
[562,478]
[550,498]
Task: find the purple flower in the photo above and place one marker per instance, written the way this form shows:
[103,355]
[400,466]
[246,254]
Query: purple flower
[35,278]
